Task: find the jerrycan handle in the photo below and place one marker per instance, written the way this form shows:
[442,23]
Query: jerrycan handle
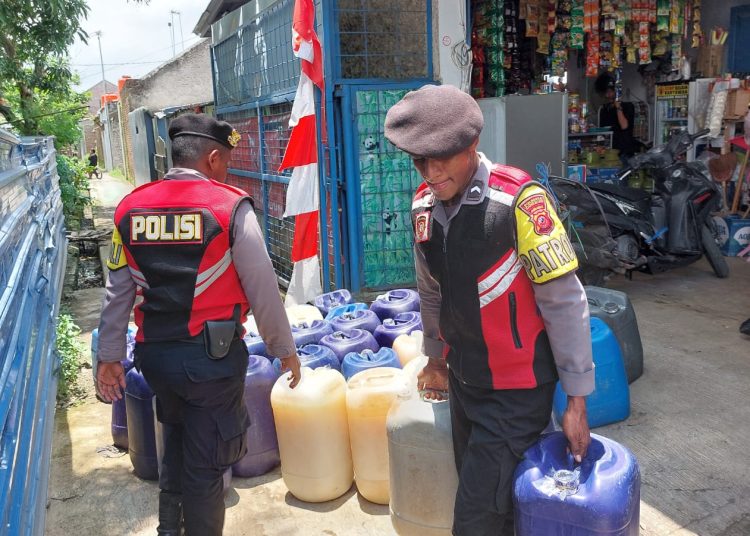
[423,392]
[340,335]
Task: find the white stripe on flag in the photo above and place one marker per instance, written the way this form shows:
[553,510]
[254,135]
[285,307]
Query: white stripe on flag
[304,284]
[302,194]
[305,50]
[304,100]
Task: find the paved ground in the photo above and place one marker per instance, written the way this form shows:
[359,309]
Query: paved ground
[688,428]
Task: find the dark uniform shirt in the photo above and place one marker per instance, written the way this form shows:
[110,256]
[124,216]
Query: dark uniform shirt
[622,139]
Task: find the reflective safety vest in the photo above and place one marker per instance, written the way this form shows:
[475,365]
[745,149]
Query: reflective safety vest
[174,236]
[485,263]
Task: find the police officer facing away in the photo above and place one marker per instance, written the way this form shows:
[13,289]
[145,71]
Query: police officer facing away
[192,248]
[504,314]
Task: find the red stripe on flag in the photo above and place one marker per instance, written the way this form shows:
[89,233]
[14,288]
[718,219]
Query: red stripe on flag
[305,244]
[303,22]
[302,148]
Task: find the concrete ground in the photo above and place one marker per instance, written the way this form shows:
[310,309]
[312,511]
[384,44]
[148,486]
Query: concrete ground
[688,428]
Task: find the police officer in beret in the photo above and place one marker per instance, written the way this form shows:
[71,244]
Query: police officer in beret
[191,247]
[504,314]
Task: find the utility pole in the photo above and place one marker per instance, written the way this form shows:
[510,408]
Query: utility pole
[107,125]
[179,15]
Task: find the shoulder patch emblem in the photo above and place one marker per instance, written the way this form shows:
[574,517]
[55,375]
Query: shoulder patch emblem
[423,226]
[535,207]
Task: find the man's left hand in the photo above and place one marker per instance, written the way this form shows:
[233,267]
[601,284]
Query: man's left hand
[576,427]
[110,380]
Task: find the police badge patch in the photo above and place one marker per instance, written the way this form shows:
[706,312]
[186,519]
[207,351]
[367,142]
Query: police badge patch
[423,226]
[535,207]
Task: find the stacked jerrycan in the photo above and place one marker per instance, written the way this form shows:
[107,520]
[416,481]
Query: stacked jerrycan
[360,319]
[369,396]
[355,340]
[423,481]
[330,300]
[355,362]
[400,324]
[262,446]
[343,309]
[408,347]
[313,356]
[610,401]
[310,332]
[553,495]
[313,434]
[395,301]
[615,309]
[139,399]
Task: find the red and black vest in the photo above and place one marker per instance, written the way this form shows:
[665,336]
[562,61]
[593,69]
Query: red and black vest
[494,333]
[176,236]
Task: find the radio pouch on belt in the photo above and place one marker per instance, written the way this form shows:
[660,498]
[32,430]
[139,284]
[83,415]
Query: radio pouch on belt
[219,334]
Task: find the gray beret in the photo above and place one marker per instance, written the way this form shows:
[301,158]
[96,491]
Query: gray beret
[434,122]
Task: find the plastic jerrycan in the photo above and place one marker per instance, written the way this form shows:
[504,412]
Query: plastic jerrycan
[129,347]
[610,401]
[310,332]
[369,396]
[408,346]
[141,430]
[298,314]
[262,446]
[313,434]
[326,302]
[348,308]
[313,356]
[355,340]
[553,495]
[356,362]
[395,301]
[360,319]
[423,481]
[402,323]
[615,308]
[255,345]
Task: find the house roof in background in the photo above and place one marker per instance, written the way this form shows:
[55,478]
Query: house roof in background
[215,10]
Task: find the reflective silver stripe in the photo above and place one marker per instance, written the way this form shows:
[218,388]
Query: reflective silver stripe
[500,197]
[221,267]
[205,274]
[488,282]
[138,277]
[500,289]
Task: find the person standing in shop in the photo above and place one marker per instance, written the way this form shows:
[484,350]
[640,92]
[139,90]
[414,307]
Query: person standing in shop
[192,247]
[504,314]
[619,116]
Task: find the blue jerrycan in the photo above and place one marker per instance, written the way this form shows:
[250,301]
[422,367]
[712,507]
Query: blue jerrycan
[355,340]
[401,324]
[355,362]
[610,401]
[343,309]
[326,302]
[310,333]
[360,319]
[141,430]
[394,302]
[554,496]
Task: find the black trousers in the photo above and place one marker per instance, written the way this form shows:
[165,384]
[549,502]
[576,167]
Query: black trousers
[491,431]
[200,403]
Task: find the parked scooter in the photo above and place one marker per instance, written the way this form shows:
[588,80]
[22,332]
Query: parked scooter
[617,229]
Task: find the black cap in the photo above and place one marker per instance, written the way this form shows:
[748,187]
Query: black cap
[204,126]
[434,122]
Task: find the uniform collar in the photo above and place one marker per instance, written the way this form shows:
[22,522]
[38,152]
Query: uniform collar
[477,189]
[181,173]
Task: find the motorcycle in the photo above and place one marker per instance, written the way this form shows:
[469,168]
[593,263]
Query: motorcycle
[617,229]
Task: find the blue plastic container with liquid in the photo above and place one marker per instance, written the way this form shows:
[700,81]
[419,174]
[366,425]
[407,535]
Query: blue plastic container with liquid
[141,430]
[262,445]
[401,324]
[343,309]
[361,319]
[555,496]
[310,332]
[355,340]
[355,362]
[313,356]
[326,302]
[394,302]
[610,401]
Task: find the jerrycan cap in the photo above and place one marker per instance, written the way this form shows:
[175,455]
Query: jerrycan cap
[566,481]
[610,308]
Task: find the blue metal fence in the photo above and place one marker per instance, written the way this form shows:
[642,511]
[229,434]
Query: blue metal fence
[33,251]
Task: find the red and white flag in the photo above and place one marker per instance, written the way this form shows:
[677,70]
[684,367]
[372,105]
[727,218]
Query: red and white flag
[302,195]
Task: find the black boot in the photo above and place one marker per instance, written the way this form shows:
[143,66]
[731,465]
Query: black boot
[170,514]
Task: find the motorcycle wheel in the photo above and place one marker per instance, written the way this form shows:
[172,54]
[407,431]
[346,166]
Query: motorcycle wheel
[713,254]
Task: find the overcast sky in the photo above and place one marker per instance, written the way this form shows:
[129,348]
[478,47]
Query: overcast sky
[135,37]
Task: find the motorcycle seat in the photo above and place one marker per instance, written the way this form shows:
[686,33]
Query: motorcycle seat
[633,195]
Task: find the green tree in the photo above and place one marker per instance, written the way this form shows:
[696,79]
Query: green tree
[34,40]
